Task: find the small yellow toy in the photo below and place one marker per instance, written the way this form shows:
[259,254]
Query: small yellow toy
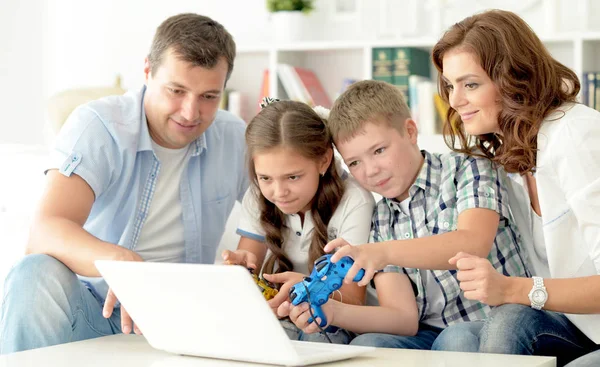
[265,287]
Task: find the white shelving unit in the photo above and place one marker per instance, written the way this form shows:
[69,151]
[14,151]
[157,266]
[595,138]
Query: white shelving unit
[335,61]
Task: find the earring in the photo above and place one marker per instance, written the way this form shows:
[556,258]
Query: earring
[322,174]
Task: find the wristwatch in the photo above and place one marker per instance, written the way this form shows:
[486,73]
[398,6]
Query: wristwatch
[538,294]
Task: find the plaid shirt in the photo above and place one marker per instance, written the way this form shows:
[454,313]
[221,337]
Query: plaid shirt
[447,185]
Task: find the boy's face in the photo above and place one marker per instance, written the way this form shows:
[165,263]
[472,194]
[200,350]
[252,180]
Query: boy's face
[383,160]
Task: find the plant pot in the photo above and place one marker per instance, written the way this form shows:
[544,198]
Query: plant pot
[289,26]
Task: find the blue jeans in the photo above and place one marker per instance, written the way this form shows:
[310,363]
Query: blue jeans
[519,329]
[423,340]
[337,335]
[460,337]
[45,304]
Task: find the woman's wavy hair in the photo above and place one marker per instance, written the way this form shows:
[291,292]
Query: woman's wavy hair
[531,84]
[297,126]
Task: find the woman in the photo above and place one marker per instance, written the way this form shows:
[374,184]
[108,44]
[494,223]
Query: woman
[515,104]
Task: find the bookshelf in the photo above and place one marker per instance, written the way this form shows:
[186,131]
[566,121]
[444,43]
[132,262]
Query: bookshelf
[333,62]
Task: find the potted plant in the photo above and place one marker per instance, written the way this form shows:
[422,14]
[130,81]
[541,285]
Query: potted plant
[305,6]
[288,18]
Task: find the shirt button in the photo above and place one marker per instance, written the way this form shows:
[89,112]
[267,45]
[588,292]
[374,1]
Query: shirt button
[487,194]
[407,235]
[446,225]
[298,234]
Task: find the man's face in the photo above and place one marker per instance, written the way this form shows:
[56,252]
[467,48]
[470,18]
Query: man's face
[382,159]
[181,100]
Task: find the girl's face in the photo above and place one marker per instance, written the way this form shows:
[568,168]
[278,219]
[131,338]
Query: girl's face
[287,179]
[471,92]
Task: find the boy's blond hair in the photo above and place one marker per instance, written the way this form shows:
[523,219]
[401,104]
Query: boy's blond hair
[363,102]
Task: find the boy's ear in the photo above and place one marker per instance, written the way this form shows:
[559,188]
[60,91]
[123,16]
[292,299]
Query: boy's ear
[410,127]
[326,160]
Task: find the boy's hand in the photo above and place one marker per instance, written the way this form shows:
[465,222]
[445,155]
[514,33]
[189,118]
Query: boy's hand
[300,314]
[239,257]
[370,256]
[479,280]
[289,278]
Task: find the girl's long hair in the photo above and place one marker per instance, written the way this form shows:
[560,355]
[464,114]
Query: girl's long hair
[296,126]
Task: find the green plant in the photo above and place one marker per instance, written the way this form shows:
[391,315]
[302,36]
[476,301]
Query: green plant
[305,6]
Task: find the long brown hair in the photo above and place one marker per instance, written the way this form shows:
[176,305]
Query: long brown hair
[297,126]
[530,81]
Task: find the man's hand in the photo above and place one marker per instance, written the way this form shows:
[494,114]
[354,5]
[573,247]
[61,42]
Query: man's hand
[109,304]
[126,321]
[370,256]
[479,280]
[240,257]
[289,278]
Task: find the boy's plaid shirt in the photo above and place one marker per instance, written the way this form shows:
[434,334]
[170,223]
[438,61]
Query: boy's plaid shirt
[447,185]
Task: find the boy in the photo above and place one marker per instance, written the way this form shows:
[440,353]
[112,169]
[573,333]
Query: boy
[433,206]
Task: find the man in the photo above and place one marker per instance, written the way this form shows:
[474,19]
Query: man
[148,176]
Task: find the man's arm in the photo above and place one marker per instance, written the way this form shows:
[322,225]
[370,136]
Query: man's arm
[57,228]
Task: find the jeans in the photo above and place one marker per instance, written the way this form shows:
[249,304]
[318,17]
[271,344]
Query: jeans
[519,329]
[423,340]
[461,337]
[337,335]
[45,304]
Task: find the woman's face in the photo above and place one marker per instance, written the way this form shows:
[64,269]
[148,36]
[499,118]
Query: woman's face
[471,92]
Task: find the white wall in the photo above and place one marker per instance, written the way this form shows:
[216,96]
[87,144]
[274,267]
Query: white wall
[21,75]
[52,45]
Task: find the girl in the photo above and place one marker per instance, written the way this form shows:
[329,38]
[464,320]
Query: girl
[297,203]
[515,104]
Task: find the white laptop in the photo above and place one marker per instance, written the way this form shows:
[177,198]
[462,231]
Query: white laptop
[213,311]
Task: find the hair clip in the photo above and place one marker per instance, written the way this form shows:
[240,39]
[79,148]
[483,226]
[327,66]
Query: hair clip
[267,101]
[322,112]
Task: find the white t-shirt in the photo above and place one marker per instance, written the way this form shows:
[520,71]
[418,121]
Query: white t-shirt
[530,226]
[351,221]
[161,237]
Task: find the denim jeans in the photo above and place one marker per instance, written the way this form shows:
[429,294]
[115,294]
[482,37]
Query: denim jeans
[461,337]
[519,329]
[45,304]
[337,335]
[423,340]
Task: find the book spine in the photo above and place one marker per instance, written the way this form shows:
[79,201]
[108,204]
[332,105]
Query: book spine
[382,64]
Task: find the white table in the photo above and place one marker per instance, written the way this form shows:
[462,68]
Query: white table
[134,351]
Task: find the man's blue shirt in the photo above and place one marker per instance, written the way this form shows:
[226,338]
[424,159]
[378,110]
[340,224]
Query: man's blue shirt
[107,143]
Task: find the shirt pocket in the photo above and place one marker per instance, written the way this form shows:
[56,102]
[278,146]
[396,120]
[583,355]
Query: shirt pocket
[215,214]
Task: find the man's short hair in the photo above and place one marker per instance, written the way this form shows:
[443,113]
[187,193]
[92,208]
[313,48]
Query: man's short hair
[365,102]
[194,38]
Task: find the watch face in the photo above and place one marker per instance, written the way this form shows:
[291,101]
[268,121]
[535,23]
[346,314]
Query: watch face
[538,296]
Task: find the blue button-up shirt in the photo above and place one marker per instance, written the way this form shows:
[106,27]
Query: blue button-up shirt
[107,143]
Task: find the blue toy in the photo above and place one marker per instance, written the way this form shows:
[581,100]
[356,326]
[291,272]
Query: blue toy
[326,277]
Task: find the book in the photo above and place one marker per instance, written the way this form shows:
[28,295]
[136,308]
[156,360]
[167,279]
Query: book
[408,61]
[382,64]
[312,87]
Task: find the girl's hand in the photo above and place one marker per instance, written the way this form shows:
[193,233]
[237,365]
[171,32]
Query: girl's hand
[239,257]
[370,256]
[479,280]
[300,315]
[287,279]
